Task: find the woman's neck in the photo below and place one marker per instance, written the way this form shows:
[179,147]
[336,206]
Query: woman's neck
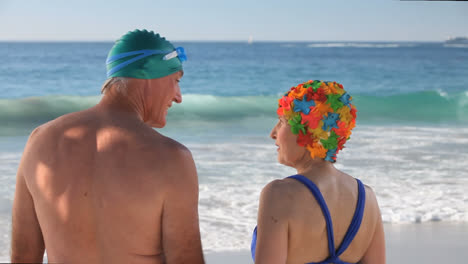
[315,167]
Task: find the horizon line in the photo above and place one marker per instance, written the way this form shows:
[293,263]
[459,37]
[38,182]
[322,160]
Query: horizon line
[220,40]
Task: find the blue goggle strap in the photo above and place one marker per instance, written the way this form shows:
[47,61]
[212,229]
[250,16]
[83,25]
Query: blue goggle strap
[179,52]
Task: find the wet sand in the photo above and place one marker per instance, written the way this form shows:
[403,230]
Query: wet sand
[428,243]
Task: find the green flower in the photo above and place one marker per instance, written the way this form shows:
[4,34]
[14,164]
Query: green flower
[316,85]
[307,85]
[296,126]
[333,100]
[331,142]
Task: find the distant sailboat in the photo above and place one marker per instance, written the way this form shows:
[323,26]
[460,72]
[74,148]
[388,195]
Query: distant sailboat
[250,41]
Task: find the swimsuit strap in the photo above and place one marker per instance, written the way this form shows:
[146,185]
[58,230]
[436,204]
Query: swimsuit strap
[353,227]
[326,213]
[357,219]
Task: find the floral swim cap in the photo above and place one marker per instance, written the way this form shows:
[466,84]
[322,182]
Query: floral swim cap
[322,116]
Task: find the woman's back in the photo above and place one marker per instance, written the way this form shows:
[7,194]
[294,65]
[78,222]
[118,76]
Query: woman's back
[308,225]
[291,201]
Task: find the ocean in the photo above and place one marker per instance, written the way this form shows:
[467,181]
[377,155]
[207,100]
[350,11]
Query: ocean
[410,143]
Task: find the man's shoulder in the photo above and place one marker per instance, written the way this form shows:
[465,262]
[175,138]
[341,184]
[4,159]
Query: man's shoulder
[51,128]
[172,149]
[170,161]
[41,131]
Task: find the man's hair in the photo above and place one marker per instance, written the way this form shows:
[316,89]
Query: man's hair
[119,83]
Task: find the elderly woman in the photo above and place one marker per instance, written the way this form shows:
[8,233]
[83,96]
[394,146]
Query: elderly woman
[321,214]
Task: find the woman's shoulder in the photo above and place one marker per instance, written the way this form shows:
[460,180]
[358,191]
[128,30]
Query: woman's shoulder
[371,200]
[279,189]
[352,181]
[371,206]
[284,188]
[370,197]
[283,195]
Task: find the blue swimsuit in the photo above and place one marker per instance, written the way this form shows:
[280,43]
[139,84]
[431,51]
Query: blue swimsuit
[350,234]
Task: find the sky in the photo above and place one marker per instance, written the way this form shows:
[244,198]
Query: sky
[234,20]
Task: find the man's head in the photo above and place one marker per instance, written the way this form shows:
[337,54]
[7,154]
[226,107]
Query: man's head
[157,96]
[145,65]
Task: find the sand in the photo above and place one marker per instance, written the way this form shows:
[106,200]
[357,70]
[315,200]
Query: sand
[427,243]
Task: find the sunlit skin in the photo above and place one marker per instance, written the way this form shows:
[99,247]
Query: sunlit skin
[150,102]
[159,101]
[291,227]
[102,186]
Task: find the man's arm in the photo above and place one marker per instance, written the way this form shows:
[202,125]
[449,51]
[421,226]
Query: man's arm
[27,243]
[180,228]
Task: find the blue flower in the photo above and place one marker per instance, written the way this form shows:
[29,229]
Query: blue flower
[303,105]
[331,153]
[345,99]
[329,121]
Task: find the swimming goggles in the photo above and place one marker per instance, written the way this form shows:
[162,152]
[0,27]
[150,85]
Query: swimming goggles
[169,54]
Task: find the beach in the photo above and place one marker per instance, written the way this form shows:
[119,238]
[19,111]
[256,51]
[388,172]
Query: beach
[429,243]
[410,144]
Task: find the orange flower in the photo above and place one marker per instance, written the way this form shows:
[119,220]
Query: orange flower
[322,108]
[328,88]
[352,124]
[331,86]
[298,92]
[317,151]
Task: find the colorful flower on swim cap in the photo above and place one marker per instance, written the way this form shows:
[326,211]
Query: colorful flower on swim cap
[322,116]
[143,54]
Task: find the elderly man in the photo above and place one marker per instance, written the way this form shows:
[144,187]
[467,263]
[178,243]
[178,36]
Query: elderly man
[100,185]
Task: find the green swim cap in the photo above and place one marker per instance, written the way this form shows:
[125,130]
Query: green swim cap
[142,54]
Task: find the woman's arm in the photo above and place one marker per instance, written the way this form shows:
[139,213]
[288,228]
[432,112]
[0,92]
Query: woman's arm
[376,251]
[272,228]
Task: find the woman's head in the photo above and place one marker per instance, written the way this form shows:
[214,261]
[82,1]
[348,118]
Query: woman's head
[321,117]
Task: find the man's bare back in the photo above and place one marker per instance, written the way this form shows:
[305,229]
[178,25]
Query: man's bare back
[101,186]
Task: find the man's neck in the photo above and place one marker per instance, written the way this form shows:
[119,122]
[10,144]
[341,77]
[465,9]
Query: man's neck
[120,104]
